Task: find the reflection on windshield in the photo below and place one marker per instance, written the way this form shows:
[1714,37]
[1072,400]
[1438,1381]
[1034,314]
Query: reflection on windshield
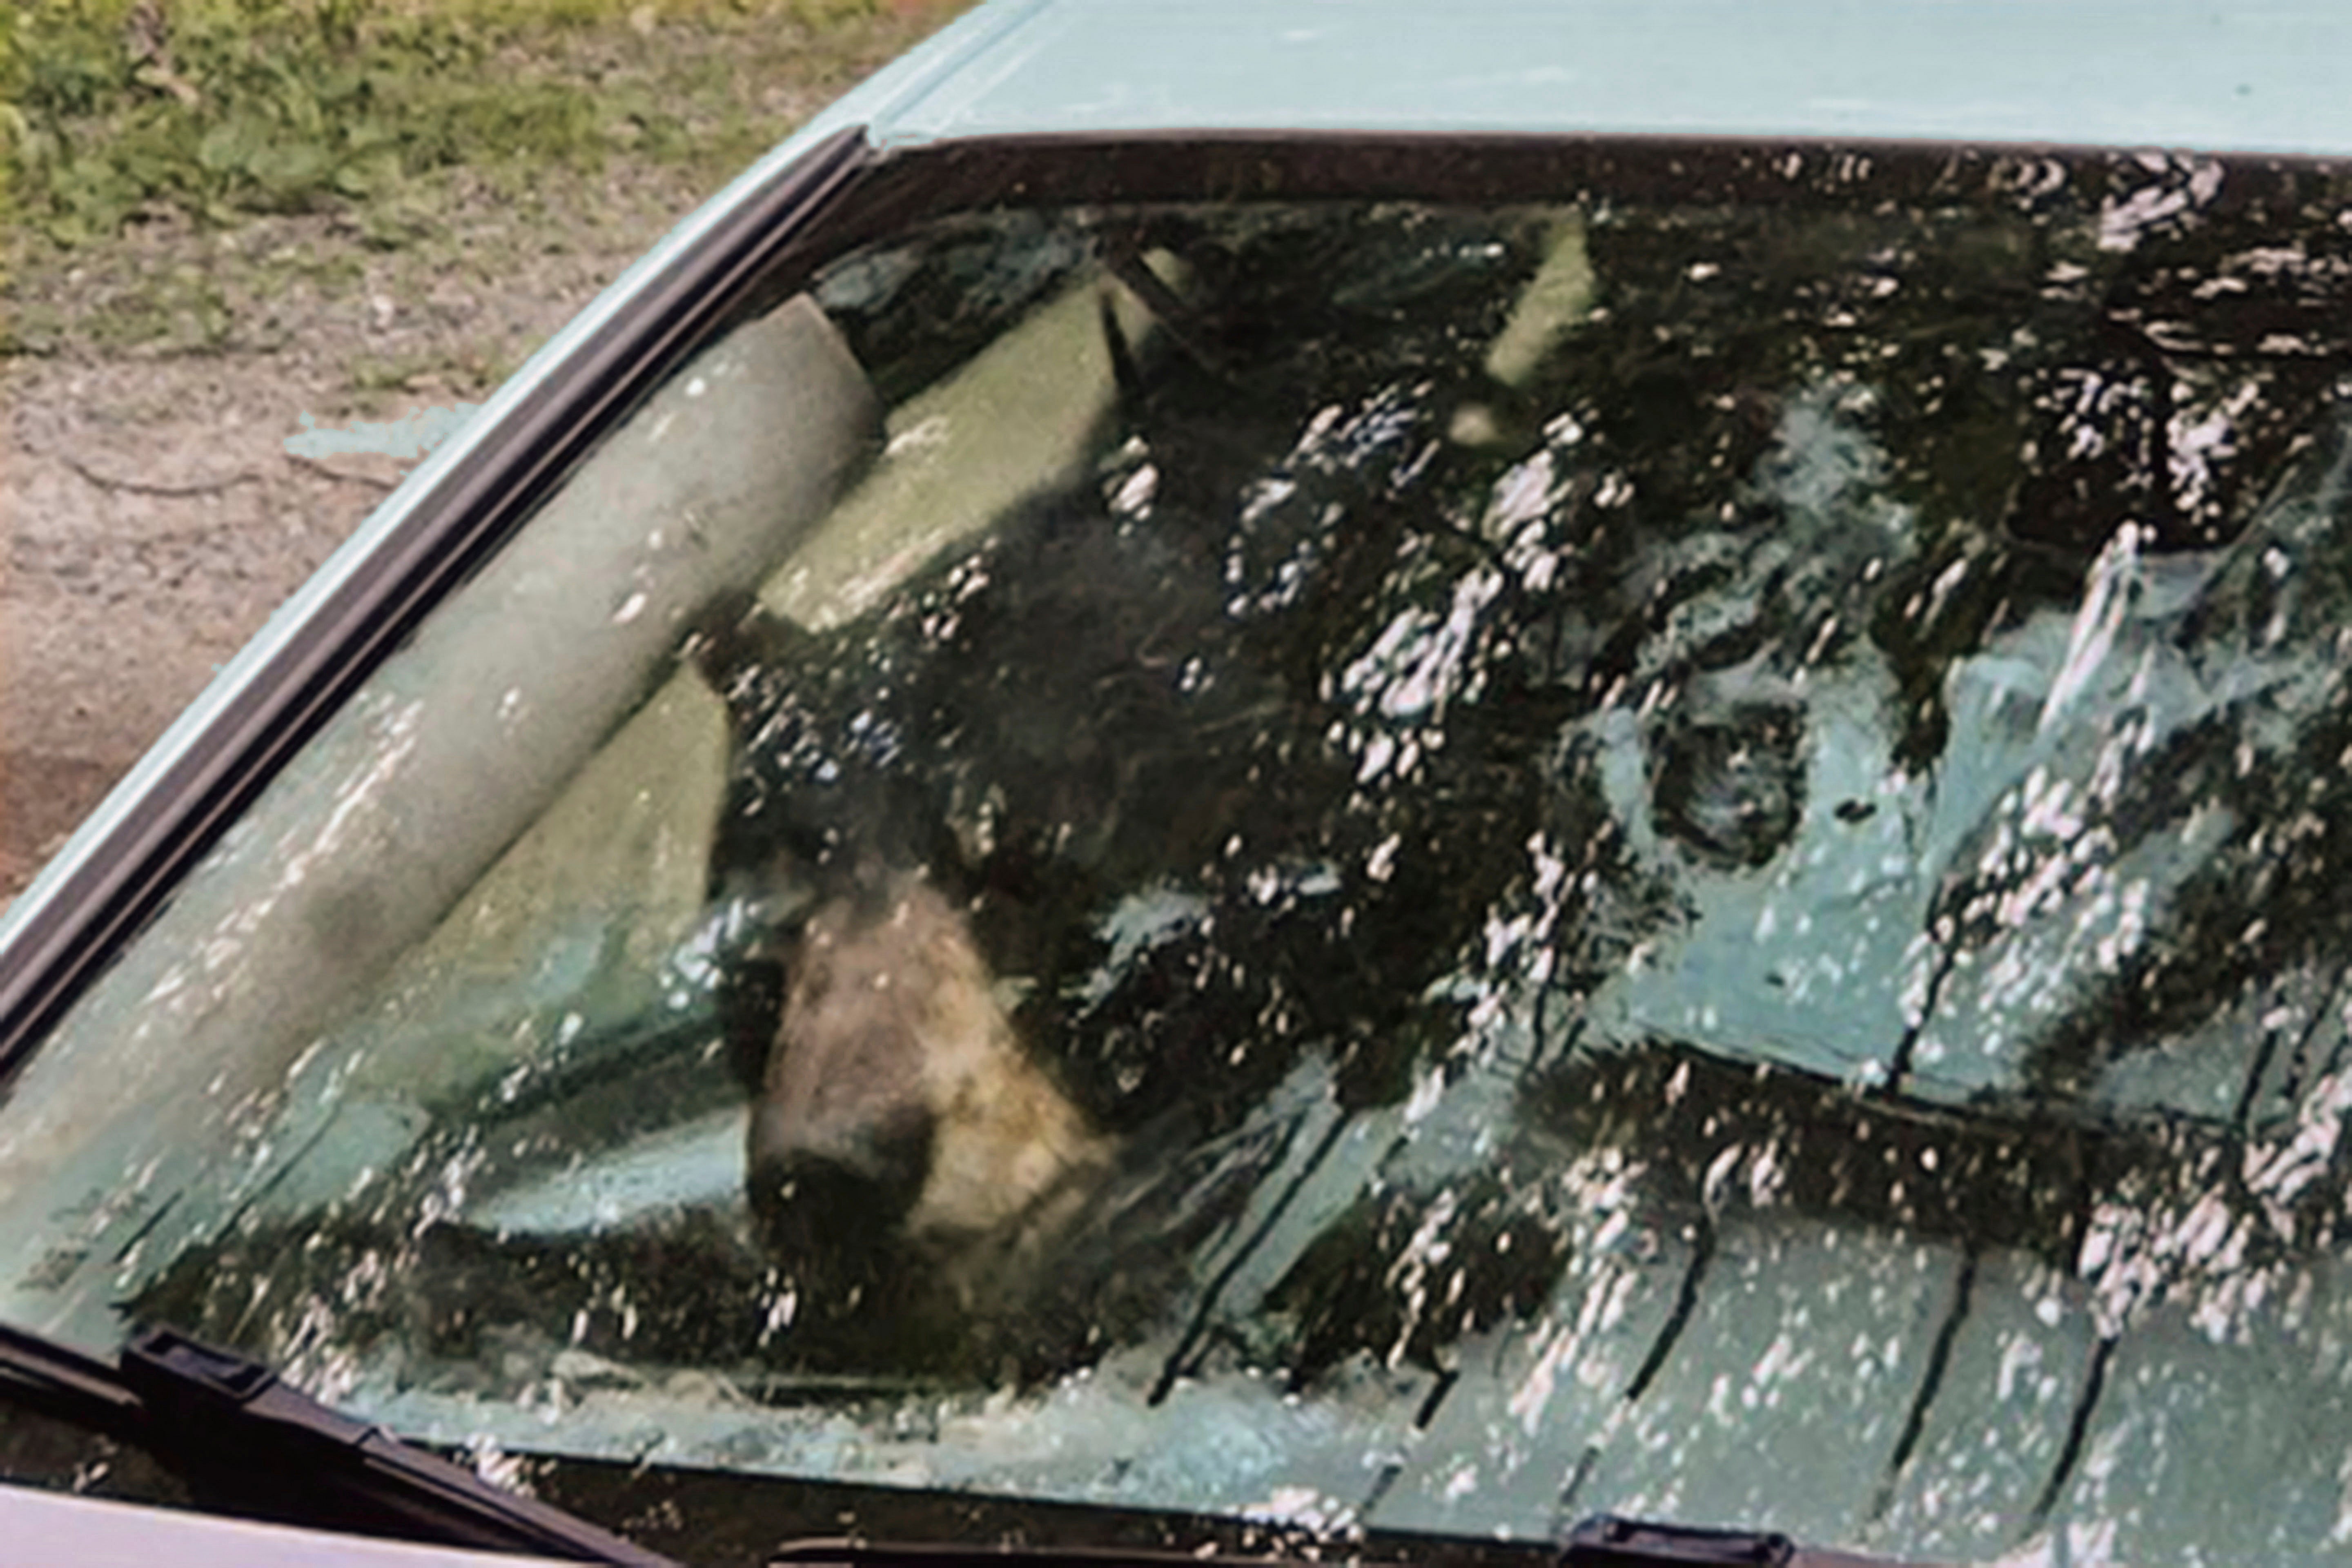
[1406,866]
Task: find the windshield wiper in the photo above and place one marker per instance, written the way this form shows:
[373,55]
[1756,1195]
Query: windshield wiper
[243,1436]
[1602,1541]
[238,1432]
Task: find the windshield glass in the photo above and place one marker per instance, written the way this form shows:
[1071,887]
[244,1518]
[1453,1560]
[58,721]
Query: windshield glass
[1373,863]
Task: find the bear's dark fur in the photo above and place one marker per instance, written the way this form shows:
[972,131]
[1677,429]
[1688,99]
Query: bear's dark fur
[950,807]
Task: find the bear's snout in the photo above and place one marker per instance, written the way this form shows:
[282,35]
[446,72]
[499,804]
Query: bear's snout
[901,1125]
[815,1186]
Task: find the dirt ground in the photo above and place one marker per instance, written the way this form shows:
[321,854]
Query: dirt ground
[150,514]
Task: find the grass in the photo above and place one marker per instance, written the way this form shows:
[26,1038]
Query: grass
[114,111]
[209,176]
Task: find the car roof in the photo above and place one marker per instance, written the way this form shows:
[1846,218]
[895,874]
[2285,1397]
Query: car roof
[2253,75]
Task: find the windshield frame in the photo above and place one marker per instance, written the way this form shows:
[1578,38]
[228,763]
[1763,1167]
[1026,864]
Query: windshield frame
[842,195]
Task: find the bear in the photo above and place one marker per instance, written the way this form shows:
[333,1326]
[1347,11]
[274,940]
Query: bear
[1323,721]
[1054,864]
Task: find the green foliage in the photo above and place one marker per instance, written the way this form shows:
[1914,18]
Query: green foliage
[14,131]
[219,108]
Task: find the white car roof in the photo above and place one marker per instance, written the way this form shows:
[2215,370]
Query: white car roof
[2252,76]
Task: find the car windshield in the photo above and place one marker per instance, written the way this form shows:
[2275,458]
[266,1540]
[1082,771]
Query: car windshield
[1669,847]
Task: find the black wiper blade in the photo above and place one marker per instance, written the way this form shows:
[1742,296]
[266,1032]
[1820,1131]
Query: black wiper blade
[233,1428]
[1603,1541]
[61,1379]
[222,1405]
[1598,1542]
[1607,1543]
